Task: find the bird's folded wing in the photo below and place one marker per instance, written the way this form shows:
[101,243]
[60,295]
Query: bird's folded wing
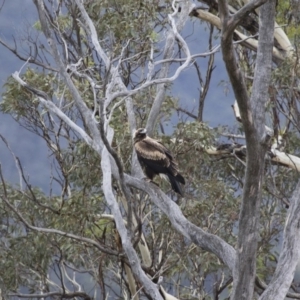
[149,149]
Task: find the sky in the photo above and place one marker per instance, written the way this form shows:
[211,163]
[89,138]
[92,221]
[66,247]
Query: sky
[17,19]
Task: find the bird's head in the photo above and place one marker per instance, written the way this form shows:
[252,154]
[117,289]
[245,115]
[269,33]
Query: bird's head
[140,134]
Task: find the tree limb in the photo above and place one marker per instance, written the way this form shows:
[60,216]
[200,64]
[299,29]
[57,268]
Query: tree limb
[168,52]
[249,42]
[133,259]
[289,255]
[199,237]
[253,116]
[52,294]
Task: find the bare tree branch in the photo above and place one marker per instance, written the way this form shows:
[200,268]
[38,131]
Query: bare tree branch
[168,52]
[289,255]
[52,294]
[199,237]
[133,259]
[87,114]
[253,116]
[243,12]
[247,41]
[27,59]
[46,101]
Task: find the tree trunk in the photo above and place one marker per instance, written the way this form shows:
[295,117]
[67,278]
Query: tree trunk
[253,118]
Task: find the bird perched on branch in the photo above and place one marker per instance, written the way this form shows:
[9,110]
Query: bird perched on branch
[156,159]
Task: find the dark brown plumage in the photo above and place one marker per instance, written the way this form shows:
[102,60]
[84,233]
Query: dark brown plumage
[156,159]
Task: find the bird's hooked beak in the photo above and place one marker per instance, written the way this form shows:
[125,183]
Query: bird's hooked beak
[143,131]
[139,131]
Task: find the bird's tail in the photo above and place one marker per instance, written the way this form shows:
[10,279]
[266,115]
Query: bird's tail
[175,183]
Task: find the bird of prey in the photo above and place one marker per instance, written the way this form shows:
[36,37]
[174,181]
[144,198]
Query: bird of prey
[156,159]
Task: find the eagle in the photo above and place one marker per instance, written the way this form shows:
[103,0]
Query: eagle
[156,159]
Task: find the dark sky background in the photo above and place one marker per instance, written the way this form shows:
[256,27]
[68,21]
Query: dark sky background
[17,19]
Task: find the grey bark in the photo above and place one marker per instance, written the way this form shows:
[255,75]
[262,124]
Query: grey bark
[289,255]
[150,287]
[253,118]
[245,267]
[199,237]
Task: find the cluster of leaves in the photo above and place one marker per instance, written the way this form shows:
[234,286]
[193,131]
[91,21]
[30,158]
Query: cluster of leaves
[27,257]
[287,14]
